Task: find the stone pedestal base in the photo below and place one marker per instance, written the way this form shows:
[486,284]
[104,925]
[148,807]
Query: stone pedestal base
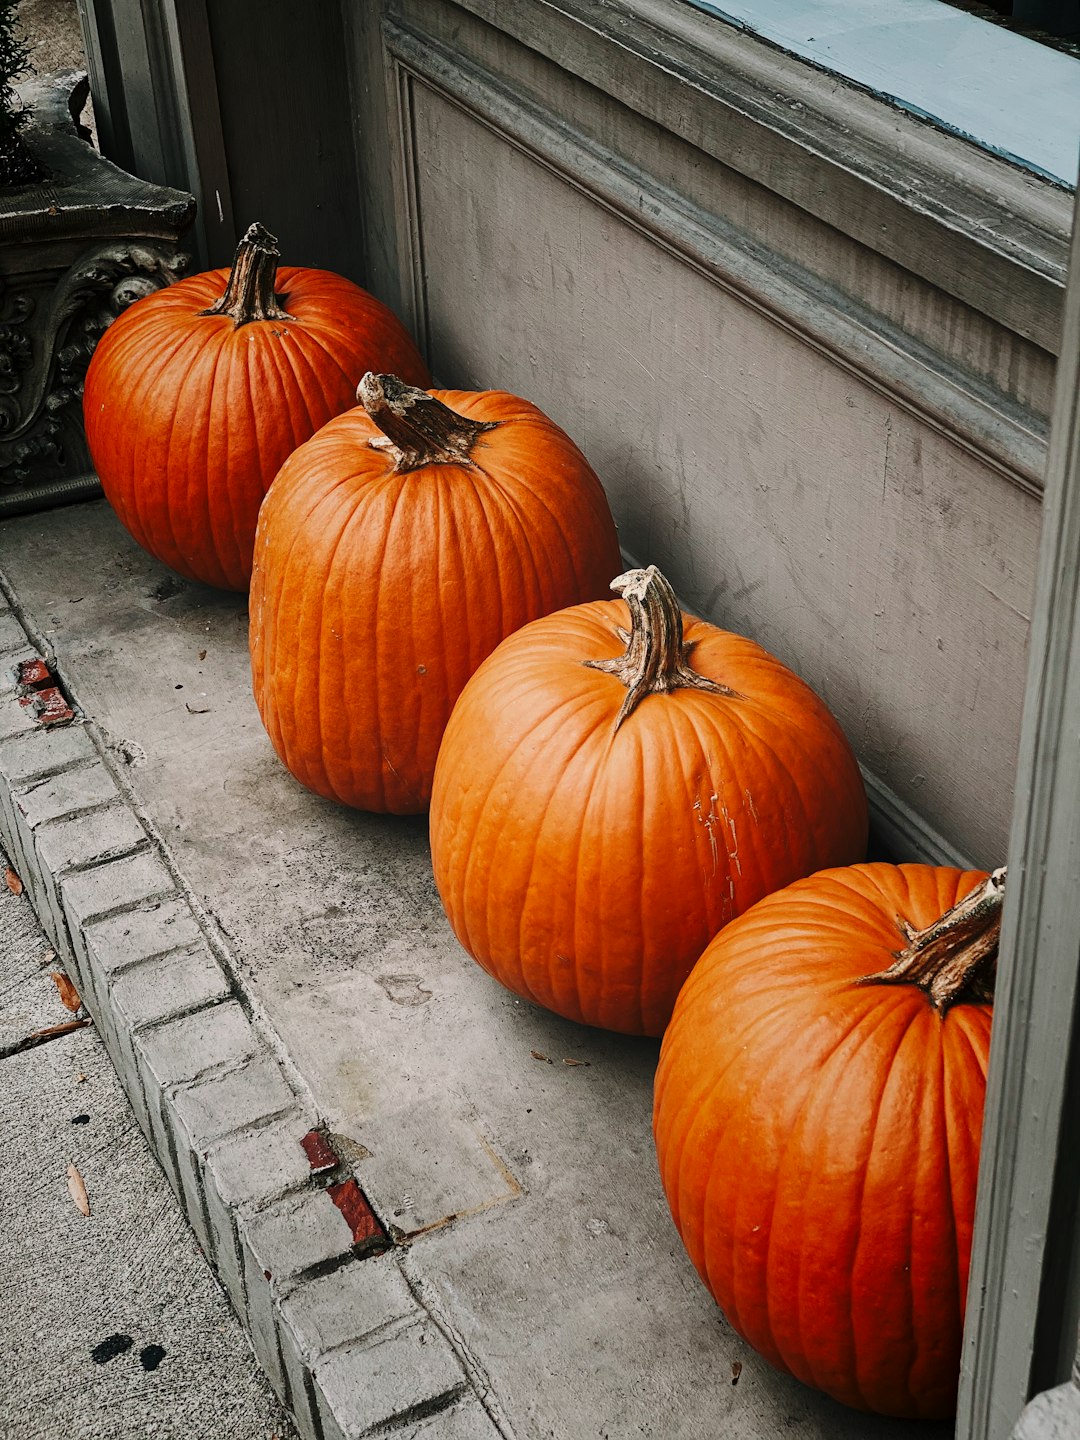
[75,250]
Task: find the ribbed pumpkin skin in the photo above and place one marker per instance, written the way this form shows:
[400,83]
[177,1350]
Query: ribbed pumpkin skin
[377,594]
[819,1141]
[586,869]
[189,418]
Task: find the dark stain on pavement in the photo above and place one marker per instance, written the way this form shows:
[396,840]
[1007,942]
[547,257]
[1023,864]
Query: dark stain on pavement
[151,1356]
[404,989]
[167,588]
[110,1348]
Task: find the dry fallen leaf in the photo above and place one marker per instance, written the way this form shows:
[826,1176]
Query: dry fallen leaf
[14,884]
[69,996]
[77,1191]
[537,1056]
[80,1079]
[736,1371]
[577,1062]
[202,654]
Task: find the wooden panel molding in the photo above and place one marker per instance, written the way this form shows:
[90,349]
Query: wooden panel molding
[1006,437]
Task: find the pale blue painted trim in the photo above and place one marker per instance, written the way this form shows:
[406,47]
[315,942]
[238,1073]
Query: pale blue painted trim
[1009,94]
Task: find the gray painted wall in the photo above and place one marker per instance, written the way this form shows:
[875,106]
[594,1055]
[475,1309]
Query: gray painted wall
[815,381]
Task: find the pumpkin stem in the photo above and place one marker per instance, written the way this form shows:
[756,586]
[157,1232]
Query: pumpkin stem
[419,428]
[656,656]
[249,295]
[955,958]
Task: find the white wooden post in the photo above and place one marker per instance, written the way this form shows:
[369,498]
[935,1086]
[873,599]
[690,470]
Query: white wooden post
[1024,1295]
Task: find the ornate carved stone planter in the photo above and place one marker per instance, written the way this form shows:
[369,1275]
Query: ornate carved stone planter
[75,249]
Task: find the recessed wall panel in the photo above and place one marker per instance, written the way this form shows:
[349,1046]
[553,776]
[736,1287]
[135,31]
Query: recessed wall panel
[784,495]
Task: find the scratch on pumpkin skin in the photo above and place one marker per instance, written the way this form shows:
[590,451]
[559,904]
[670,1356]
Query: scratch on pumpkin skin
[390,763]
[732,854]
[709,821]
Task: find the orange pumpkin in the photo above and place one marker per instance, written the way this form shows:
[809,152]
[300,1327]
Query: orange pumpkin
[197,394]
[606,800]
[394,552]
[817,1116]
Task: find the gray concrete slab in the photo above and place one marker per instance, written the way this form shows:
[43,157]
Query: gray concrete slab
[28,998]
[112,1325]
[532,1231]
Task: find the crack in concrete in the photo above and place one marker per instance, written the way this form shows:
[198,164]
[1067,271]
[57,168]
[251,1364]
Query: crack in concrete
[42,1037]
[479,1379]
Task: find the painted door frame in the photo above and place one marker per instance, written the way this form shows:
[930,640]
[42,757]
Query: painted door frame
[205,95]
[151,65]
[1024,1292]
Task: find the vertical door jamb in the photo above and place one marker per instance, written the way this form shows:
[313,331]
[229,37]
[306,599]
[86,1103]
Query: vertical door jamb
[1024,1292]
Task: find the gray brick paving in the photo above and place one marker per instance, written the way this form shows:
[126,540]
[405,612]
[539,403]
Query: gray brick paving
[347,1304]
[159,989]
[407,1369]
[30,756]
[124,883]
[340,1336]
[129,1274]
[139,933]
[296,1234]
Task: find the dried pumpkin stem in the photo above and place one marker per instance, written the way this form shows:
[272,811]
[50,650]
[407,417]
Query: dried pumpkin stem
[954,959]
[418,428]
[656,657]
[250,294]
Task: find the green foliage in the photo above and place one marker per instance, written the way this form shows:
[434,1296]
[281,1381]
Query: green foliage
[17,165]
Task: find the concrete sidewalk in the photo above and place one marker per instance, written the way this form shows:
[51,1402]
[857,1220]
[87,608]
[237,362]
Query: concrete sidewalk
[112,1324]
[435,1207]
